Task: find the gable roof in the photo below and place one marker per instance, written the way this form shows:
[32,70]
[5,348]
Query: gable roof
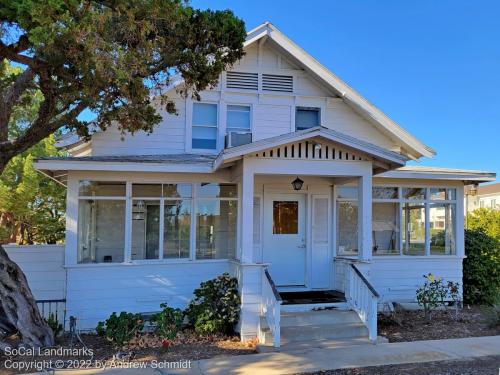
[392,158]
[413,146]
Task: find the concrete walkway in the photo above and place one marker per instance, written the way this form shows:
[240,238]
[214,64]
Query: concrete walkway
[325,358]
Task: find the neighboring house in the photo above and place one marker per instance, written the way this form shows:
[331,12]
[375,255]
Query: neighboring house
[210,191]
[486,196]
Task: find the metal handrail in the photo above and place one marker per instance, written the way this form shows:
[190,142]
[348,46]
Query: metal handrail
[367,283]
[273,286]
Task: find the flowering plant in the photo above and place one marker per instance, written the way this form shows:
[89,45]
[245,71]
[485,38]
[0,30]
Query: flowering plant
[435,292]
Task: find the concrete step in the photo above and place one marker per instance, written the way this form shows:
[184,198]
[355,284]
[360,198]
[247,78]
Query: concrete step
[318,317]
[322,332]
[319,344]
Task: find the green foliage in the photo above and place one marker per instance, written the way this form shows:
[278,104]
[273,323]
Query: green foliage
[486,220]
[168,322]
[32,206]
[481,268]
[56,327]
[106,56]
[119,329]
[432,294]
[216,306]
[492,313]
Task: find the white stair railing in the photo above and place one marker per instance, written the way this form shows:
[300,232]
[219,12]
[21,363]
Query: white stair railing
[271,306]
[362,298]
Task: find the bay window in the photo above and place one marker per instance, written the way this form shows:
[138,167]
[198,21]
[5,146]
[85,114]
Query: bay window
[167,221]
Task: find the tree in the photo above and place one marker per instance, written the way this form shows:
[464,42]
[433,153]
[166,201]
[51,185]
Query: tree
[104,57]
[486,220]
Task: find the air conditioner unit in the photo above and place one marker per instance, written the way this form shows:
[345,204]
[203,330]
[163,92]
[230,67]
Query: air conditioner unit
[234,139]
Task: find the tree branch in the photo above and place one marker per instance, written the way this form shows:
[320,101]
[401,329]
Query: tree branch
[10,97]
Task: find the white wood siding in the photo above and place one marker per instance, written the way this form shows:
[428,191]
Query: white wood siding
[397,278]
[94,292]
[43,267]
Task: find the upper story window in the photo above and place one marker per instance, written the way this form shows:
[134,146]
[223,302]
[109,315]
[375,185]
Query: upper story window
[238,118]
[204,126]
[306,118]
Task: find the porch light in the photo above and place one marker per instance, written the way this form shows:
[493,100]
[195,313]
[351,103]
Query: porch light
[297,183]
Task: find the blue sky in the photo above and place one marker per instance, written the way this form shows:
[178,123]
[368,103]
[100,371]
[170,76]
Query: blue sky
[432,66]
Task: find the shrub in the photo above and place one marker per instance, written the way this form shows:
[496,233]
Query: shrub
[216,306]
[486,220]
[432,294]
[52,322]
[168,322]
[119,329]
[481,274]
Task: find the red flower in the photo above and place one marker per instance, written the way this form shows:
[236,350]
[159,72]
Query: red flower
[165,344]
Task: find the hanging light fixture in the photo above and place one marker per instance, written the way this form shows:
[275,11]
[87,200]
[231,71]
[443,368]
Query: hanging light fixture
[297,183]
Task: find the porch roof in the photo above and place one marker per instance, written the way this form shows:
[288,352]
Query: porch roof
[391,158]
[467,176]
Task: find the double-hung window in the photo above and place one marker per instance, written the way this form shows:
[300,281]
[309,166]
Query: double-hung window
[238,118]
[306,118]
[204,130]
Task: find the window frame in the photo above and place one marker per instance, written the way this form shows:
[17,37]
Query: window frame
[129,199]
[217,127]
[250,118]
[305,108]
[427,201]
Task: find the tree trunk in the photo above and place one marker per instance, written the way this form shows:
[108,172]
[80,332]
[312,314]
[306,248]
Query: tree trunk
[18,310]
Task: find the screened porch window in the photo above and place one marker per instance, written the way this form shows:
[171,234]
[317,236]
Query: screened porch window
[347,220]
[204,126]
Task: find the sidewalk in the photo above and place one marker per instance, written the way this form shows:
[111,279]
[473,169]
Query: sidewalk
[316,359]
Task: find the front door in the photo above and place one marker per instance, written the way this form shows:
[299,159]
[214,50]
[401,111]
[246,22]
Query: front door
[284,238]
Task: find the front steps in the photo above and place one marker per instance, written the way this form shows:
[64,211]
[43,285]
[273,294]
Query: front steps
[316,328]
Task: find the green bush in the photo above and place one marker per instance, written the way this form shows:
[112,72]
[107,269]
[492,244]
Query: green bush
[481,274]
[168,322]
[119,329]
[52,322]
[216,306]
[432,294]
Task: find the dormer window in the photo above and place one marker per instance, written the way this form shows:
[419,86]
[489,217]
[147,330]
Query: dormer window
[204,126]
[306,118]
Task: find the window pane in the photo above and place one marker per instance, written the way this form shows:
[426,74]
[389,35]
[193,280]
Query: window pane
[443,194]
[442,226]
[306,118]
[347,227]
[414,193]
[385,226]
[285,217]
[177,224]
[205,114]
[347,192]
[204,138]
[101,231]
[413,215]
[145,229]
[238,118]
[216,229]
[384,192]
[177,190]
[208,190]
[146,190]
[101,188]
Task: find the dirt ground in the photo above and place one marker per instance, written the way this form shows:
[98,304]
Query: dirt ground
[146,348]
[412,326]
[476,366]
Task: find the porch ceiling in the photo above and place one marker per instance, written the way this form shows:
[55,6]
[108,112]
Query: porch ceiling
[317,143]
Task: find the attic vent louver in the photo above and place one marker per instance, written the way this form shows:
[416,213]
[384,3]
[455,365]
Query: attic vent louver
[241,80]
[273,82]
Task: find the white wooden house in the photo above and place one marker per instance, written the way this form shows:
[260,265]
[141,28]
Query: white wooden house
[149,217]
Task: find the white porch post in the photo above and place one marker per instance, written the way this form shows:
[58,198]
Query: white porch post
[247,188]
[365,217]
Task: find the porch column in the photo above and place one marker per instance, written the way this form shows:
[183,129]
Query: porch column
[247,181]
[365,217]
